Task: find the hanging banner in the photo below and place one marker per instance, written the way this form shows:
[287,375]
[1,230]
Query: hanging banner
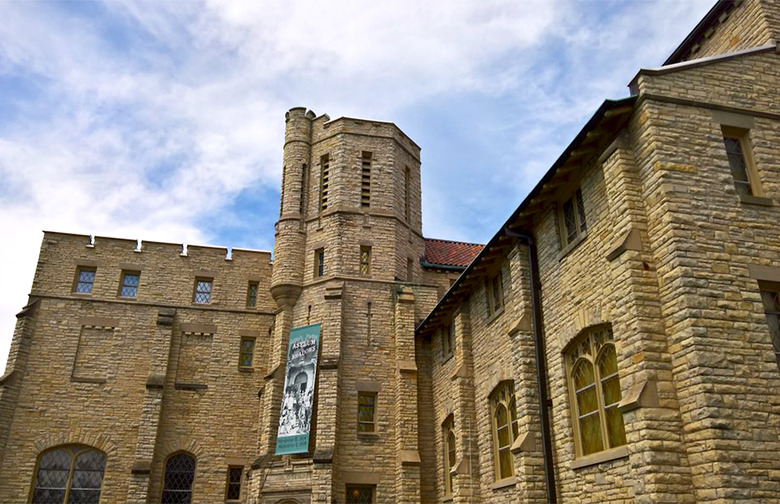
[298,400]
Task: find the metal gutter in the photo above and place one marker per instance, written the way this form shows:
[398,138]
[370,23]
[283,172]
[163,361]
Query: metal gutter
[449,267]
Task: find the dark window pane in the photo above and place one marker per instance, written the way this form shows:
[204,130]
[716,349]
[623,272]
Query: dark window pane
[179,475]
[569,220]
[360,495]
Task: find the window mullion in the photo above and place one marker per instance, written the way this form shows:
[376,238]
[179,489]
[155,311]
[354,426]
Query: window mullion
[70,478]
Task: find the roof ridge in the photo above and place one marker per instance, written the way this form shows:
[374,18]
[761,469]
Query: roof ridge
[454,241]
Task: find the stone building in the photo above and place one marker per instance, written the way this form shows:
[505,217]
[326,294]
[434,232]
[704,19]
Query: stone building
[617,340]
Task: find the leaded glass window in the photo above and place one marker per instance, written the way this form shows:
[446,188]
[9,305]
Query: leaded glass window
[251,295]
[247,352]
[70,474]
[495,294]
[179,475]
[449,453]
[360,494]
[737,164]
[770,295]
[366,411]
[365,260]
[505,429]
[573,215]
[85,279]
[202,290]
[448,341]
[595,388]
[129,285]
[233,490]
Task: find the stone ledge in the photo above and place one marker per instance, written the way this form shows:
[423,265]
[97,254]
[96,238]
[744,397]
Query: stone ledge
[98,322]
[84,379]
[600,457]
[573,245]
[6,379]
[764,273]
[360,477]
[155,382]
[190,386]
[199,328]
[524,443]
[28,310]
[329,362]
[503,483]
[631,240]
[323,456]
[165,317]
[409,457]
[748,199]
[640,395]
[141,467]
[406,366]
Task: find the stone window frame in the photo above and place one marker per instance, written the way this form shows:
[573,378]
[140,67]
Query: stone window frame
[230,483]
[196,291]
[77,280]
[319,262]
[359,424]
[589,347]
[165,471]
[494,294]
[741,138]
[324,182]
[352,486]
[252,290]
[448,341]
[366,160]
[123,284]
[407,195]
[75,450]
[503,398]
[242,352]
[770,301]
[570,238]
[449,453]
[365,260]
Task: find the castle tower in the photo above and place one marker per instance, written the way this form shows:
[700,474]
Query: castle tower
[347,252]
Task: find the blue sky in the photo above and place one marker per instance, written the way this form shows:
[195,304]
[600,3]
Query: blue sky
[164,120]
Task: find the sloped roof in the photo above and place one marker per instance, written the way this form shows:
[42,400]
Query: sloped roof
[449,254]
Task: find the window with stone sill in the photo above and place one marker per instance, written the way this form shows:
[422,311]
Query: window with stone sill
[365,260]
[251,294]
[366,412]
[128,287]
[503,414]
[319,262]
[448,341]
[247,352]
[572,218]
[69,474]
[740,157]
[450,455]
[233,485]
[770,296]
[495,294]
[594,389]
[202,294]
[85,279]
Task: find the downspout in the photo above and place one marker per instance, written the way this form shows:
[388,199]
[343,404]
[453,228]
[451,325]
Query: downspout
[541,361]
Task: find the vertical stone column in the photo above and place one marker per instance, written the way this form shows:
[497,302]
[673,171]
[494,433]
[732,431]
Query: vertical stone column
[151,409]
[406,430]
[274,380]
[327,395]
[650,406]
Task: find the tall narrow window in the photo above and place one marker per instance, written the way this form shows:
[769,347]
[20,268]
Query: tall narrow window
[247,352]
[407,194]
[450,454]
[448,341]
[360,494]
[85,279]
[409,270]
[505,430]
[573,218]
[70,474]
[770,295]
[366,411]
[251,295]
[179,475]
[281,195]
[319,262]
[365,181]
[324,181]
[304,192]
[595,392]
[202,293]
[128,287]
[365,260]
[233,486]
[495,294]
[740,159]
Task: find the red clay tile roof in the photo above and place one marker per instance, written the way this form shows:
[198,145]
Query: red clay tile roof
[450,253]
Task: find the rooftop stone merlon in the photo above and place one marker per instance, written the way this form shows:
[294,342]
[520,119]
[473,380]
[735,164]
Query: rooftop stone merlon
[167,271]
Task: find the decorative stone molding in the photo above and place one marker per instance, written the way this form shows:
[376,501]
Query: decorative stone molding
[524,443]
[409,457]
[631,240]
[98,322]
[640,395]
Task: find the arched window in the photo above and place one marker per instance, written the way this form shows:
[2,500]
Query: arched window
[504,421]
[595,390]
[179,475]
[69,474]
[448,431]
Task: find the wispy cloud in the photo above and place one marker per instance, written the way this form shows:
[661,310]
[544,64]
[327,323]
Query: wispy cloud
[164,120]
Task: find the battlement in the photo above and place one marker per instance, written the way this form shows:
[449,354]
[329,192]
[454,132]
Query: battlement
[325,128]
[167,273]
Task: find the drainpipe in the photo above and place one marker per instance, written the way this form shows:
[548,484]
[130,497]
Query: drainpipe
[541,361]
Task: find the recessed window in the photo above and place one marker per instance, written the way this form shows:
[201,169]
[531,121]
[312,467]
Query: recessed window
[324,181]
[251,295]
[202,290]
[495,294]
[407,194]
[503,411]
[247,352]
[319,262]
[233,488]
[770,295]
[448,341]
[594,388]
[572,214]
[739,153]
[69,474]
[448,436]
[128,287]
[85,279]
[360,494]
[409,270]
[366,411]
[179,476]
[365,260]
[365,180]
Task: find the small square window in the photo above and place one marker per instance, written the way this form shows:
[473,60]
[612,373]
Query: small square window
[233,488]
[360,494]
[365,260]
[128,288]
[247,352]
[366,411]
[251,295]
[495,294]
[85,279]
[573,220]
[202,291]
[319,262]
